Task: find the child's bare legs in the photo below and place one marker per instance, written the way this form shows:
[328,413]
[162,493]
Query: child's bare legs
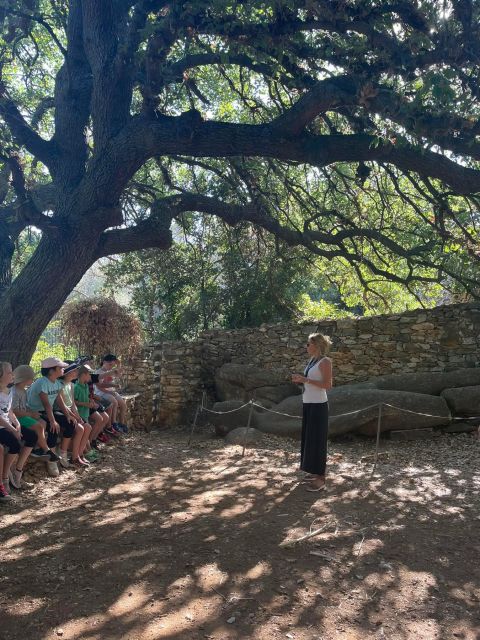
[23,457]
[8,461]
[122,409]
[2,455]
[112,408]
[4,496]
[76,440]
[98,425]
[106,419]
[39,428]
[84,442]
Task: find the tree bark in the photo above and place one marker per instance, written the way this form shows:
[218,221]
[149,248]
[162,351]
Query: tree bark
[39,292]
[6,253]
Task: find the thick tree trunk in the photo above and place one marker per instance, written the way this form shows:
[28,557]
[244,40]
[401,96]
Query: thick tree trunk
[6,253]
[39,292]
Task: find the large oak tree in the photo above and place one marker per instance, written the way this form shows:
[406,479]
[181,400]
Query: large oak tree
[349,127]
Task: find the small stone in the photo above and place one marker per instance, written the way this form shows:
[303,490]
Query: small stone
[231,620]
[60,632]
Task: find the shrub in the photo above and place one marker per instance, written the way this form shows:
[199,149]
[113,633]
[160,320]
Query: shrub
[95,326]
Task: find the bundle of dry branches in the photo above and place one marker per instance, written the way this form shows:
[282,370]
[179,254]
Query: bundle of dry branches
[96,326]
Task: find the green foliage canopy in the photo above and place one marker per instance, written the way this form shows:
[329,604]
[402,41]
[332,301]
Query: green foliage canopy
[346,128]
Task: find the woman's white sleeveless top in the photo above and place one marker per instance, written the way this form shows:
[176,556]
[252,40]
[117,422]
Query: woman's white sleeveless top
[312,393]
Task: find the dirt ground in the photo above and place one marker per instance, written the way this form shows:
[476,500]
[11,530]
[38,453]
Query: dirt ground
[166,541]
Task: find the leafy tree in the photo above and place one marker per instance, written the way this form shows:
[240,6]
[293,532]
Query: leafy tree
[216,276]
[347,128]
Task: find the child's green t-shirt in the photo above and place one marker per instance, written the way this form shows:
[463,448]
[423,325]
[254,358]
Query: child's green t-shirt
[82,395]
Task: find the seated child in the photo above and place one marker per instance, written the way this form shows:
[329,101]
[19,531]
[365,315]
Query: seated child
[23,377]
[104,408]
[11,434]
[83,429]
[41,397]
[105,389]
[87,407]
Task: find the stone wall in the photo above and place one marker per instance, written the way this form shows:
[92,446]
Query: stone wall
[141,388]
[439,339]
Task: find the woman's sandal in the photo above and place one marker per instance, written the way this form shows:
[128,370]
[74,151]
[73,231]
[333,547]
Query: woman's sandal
[314,488]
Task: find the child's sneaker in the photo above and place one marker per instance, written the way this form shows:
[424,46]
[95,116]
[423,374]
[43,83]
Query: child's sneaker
[38,454]
[104,438]
[92,456]
[52,468]
[4,495]
[63,461]
[123,427]
[6,485]
[112,431]
[53,456]
[16,481]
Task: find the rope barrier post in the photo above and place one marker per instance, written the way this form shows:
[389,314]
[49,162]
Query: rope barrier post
[379,425]
[197,412]
[193,425]
[247,427]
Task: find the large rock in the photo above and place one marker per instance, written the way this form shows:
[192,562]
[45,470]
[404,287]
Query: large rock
[430,383]
[426,411]
[353,407]
[463,401]
[282,425]
[356,410]
[243,382]
[228,418]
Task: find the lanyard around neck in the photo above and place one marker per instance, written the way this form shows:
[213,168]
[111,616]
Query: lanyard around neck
[310,365]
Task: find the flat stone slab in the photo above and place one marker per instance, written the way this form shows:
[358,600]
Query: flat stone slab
[463,401]
[460,427]
[430,383]
[414,434]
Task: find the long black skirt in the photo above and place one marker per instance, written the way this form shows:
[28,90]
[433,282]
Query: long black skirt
[313,449]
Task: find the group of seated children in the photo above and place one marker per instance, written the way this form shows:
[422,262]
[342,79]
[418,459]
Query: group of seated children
[69,407]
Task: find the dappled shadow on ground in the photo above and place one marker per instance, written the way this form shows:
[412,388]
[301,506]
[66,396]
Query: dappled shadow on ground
[163,541]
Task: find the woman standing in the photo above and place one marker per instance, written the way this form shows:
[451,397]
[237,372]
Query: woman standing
[317,379]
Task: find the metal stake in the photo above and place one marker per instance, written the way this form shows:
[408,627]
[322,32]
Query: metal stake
[379,424]
[248,427]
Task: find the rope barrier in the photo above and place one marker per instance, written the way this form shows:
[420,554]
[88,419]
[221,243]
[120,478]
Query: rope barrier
[288,415]
[348,413]
[378,405]
[225,412]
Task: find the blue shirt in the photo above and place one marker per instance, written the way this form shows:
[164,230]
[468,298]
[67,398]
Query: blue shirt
[43,385]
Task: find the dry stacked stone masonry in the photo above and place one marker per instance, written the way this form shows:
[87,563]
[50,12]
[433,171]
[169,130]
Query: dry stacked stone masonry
[172,376]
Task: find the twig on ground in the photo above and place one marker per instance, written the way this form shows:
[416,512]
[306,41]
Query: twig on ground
[360,547]
[311,534]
